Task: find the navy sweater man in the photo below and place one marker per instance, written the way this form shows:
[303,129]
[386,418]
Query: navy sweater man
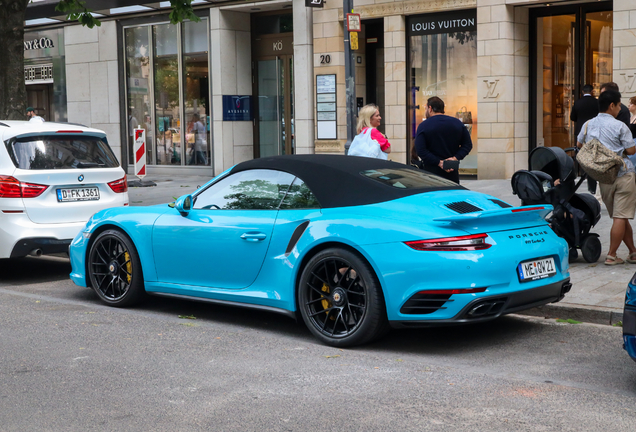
[441,137]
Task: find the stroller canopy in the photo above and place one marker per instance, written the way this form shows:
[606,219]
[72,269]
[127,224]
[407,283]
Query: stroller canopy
[553,161]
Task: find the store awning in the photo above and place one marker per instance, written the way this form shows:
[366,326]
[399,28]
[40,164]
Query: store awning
[42,12]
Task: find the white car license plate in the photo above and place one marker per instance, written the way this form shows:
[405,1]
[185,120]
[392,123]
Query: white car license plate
[536,269]
[78,194]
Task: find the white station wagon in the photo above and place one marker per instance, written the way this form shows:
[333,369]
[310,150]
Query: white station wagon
[53,178]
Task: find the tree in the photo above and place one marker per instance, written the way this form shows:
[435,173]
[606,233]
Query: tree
[12,16]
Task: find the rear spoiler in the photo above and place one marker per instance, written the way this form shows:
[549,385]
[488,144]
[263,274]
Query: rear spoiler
[91,133]
[523,213]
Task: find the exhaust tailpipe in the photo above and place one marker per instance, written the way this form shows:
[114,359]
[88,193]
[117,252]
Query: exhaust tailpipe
[36,252]
[565,288]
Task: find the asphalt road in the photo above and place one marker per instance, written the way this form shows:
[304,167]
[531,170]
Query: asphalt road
[68,363]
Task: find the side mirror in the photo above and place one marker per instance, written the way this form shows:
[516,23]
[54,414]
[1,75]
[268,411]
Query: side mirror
[184,204]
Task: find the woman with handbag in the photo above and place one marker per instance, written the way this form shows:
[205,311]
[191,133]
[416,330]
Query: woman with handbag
[598,135]
[370,142]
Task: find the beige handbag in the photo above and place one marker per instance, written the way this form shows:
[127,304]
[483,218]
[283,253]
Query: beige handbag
[598,161]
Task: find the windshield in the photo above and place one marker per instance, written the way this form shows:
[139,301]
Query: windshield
[406,178]
[61,152]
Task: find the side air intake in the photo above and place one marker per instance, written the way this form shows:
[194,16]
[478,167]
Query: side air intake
[425,303]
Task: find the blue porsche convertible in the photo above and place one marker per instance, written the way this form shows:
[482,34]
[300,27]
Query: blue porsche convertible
[352,245]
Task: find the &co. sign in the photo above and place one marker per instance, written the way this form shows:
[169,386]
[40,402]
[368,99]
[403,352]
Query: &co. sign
[40,43]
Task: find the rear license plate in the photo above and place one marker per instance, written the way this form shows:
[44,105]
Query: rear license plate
[536,269]
[78,194]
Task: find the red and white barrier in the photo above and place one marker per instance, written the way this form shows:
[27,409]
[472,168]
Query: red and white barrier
[140,152]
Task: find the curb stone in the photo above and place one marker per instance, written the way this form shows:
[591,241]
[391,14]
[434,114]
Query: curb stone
[587,314]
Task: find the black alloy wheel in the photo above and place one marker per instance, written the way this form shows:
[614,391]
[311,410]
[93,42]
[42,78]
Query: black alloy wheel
[340,299]
[114,269]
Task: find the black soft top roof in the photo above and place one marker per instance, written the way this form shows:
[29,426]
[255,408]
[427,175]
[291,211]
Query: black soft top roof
[336,181]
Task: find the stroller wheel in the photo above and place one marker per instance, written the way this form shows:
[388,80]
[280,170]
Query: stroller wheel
[591,248]
[573,254]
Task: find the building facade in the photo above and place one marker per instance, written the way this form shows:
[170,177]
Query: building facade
[266,78]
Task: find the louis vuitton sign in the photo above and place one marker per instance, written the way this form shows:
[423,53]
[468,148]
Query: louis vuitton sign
[446,22]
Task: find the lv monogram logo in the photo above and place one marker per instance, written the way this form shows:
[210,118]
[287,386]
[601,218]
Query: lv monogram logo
[492,87]
[630,80]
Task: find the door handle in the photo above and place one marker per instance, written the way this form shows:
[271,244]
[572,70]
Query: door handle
[253,236]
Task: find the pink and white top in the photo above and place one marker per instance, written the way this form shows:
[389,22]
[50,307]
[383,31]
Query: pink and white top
[378,137]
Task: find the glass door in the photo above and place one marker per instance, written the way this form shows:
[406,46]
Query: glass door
[573,48]
[269,111]
[167,100]
[598,48]
[139,90]
[275,108]
[555,79]
[196,93]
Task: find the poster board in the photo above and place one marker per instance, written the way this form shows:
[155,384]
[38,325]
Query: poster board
[327,125]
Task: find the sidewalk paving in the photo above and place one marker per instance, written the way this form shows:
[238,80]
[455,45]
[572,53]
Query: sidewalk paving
[598,291]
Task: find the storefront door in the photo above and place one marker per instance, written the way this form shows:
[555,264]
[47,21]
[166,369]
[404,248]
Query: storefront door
[39,98]
[274,101]
[573,48]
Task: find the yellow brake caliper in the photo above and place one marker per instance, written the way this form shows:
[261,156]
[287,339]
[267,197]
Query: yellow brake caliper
[326,304]
[128,266]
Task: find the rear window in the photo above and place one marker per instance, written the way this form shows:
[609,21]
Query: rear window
[61,152]
[405,178]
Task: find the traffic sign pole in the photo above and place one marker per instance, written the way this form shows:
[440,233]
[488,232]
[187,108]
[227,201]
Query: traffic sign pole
[350,82]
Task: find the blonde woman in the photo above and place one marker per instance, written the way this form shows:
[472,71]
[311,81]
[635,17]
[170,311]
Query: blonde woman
[369,117]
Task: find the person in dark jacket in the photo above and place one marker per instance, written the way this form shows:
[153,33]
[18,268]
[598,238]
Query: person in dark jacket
[583,110]
[632,118]
[624,114]
[439,138]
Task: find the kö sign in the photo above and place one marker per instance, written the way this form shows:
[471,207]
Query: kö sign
[41,43]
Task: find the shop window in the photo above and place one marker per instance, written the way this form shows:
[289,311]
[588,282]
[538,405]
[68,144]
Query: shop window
[442,61]
[168,92]
[573,48]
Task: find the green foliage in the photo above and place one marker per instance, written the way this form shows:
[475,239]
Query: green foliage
[463,37]
[618,324]
[76,10]
[181,11]
[569,321]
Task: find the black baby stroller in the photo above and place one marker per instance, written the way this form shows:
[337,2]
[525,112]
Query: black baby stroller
[574,214]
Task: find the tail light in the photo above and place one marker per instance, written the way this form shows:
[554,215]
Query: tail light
[10,187]
[527,209]
[119,186]
[463,243]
